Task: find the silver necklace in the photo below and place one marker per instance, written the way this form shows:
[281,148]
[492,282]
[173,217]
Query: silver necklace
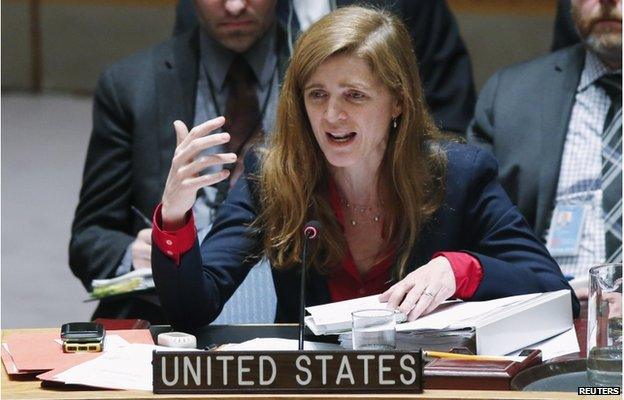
[354,210]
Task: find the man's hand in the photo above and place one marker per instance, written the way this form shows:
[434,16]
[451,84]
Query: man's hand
[422,290]
[142,249]
[184,180]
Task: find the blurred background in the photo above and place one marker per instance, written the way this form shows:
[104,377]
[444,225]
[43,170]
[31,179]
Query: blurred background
[52,54]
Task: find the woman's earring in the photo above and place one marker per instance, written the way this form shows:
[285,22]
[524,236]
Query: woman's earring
[394,122]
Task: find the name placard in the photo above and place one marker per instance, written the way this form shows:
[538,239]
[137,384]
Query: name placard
[221,372]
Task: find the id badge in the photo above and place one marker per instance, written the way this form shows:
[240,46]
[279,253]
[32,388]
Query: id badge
[564,236]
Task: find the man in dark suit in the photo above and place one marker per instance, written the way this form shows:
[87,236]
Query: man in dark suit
[233,63]
[564,33]
[444,64]
[554,124]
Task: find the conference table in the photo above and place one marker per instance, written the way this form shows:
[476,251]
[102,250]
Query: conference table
[27,387]
[12,389]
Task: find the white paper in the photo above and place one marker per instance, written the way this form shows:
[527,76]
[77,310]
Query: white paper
[463,314]
[560,345]
[336,317]
[128,367]
[339,312]
[317,330]
[137,273]
[12,366]
[277,344]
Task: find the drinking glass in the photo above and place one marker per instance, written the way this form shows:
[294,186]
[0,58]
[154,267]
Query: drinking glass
[373,330]
[604,325]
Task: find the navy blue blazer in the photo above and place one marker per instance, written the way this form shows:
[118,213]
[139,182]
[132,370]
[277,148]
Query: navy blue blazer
[476,217]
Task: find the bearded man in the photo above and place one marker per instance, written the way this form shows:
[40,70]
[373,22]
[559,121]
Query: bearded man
[554,123]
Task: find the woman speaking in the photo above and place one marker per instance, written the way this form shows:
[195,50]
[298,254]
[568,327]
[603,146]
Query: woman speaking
[403,213]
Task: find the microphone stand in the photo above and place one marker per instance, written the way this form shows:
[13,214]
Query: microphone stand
[304,268]
[310,233]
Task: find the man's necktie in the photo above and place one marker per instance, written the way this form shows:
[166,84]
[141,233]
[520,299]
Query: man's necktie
[612,167]
[241,109]
[243,120]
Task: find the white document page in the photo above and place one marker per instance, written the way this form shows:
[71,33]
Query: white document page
[461,315]
[336,317]
[11,367]
[339,312]
[128,367]
[560,345]
[277,344]
[137,273]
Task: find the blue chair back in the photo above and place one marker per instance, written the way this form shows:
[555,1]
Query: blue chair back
[254,301]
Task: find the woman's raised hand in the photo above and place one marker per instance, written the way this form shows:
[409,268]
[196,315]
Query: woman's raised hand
[184,180]
[422,290]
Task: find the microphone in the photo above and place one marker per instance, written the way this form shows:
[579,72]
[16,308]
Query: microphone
[311,230]
[310,233]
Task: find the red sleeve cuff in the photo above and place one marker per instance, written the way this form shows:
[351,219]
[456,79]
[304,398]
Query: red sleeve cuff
[173,243]
[467,270]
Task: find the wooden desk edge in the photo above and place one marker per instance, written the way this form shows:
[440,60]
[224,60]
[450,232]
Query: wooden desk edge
[26,390]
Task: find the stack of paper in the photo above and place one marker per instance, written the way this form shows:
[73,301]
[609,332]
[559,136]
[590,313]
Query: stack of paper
[139,279]
[130,366]
[560,345]
[429,339]
[126,367]
[502,325]
[333,318]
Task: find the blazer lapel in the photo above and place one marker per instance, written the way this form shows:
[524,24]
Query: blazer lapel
[283,52]
[176,88]
[557,98]
[317,290]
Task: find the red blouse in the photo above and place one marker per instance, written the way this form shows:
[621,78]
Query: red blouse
[344,283]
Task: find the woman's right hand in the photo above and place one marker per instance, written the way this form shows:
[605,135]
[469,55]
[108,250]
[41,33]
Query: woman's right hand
[184,180]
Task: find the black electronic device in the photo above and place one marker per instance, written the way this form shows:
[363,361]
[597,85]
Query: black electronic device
[82,336]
